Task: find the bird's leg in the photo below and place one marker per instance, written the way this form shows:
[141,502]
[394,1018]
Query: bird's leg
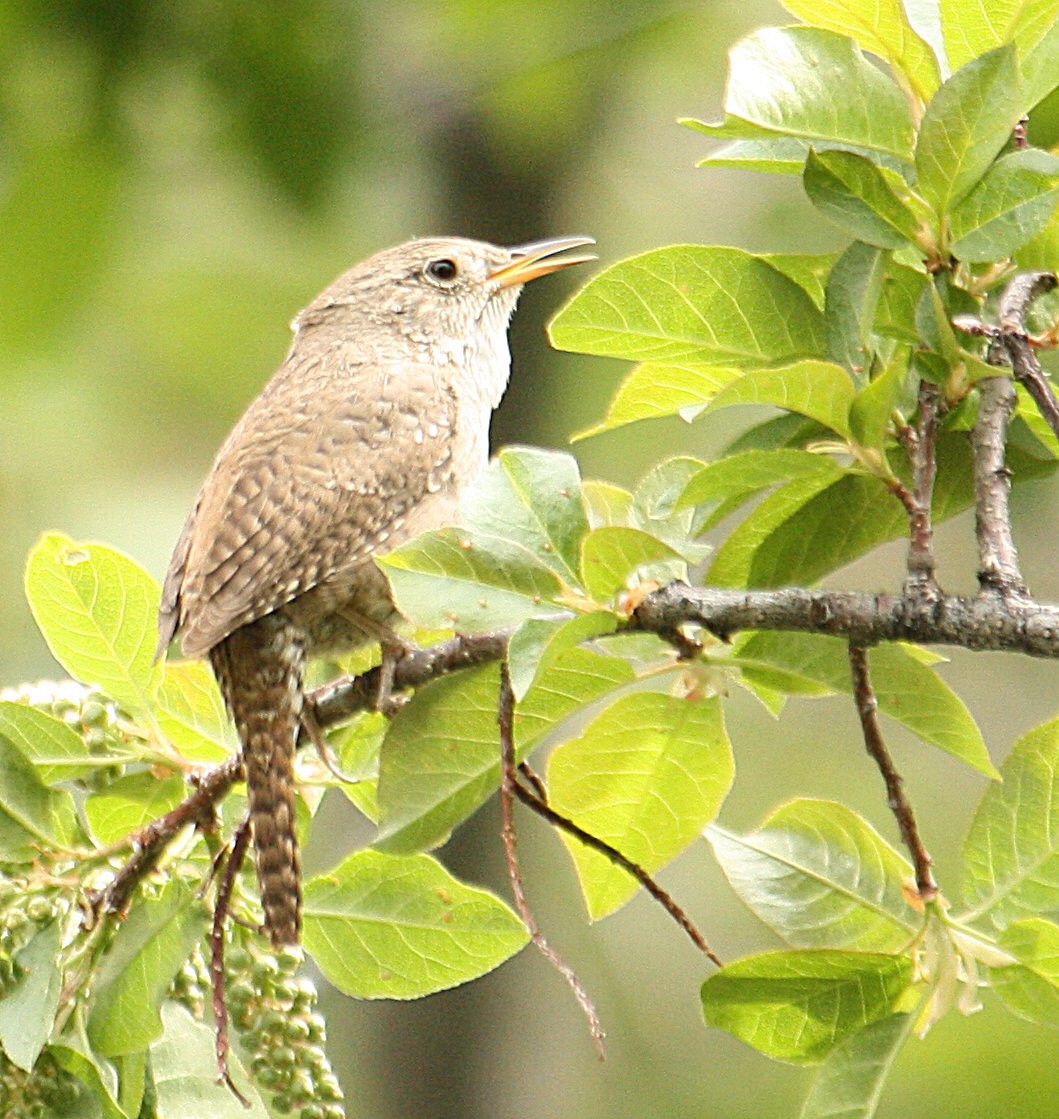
[323,748]
[393,648]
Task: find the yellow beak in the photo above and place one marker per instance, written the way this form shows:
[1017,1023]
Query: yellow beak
[538,259]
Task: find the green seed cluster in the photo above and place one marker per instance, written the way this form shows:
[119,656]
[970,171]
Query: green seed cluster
[46,1092]
[191,986]
[87,711]
[274,1011]
[22,911]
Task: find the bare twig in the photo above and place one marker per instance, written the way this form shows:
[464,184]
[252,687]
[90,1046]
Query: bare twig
[921,565]
[1014,305]
[221,909]
[1011,337]
[998,560]
[867,710]
[508,790]
[563,823]
[149,843]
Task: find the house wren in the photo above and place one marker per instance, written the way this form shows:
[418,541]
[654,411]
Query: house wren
[366,436]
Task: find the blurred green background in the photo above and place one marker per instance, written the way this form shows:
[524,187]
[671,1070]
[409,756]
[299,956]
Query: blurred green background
[177,179]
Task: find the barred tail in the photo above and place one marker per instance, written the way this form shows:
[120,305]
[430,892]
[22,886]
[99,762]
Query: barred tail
[260,668]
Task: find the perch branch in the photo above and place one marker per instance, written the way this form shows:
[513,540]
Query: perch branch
[900,806]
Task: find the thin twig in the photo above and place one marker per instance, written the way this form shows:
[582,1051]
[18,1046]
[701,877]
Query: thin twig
[221,909]
[149,843]
[998,559]
[868,711]
[508,790]
[921,564]
[564,823]
[1014,305]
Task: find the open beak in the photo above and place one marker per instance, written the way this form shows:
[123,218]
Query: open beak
[538,259]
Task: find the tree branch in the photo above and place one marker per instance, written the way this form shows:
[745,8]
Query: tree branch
[868,711]
[920,564]
[509,785]
[979,624]
[998,559]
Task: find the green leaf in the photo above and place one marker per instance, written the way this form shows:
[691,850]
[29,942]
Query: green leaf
[606,504]
[646,776]
[611,556]
[878,26]
[97,610]
[27,1010]
[1040,63]
[808,528]
[820,877]
[798,1006]
[55,749]
[855,194]
[1011,854]
[381,926]
[850,1080]
[907,690]
[1011,204]
[817,389]
[873,410]
[191,712]
[736,478]
[656,389]
[532,497]
[782,83]
[1030,987]
[854,288]
[766,550]
[452,579]
[31,814]
[184,1070]
[692,304]
[965,127]
[895,316]
[808,270]
[973,29]
[441,756]
[149,949]
[538,642]
[130,803]
[783,156]
[657,510]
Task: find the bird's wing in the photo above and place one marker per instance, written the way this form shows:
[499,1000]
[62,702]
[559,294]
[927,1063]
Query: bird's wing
[310,482]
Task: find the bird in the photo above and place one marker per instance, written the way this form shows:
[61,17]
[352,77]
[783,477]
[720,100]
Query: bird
[366,436]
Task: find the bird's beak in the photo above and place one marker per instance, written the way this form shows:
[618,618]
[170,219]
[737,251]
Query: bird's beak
[538,259]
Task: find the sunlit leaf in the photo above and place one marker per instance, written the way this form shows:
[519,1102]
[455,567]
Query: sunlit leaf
[965,127]
[148,950]
[646,775]
[798,1006]
[1012,203]
[821,877]
[383,926]
[849,1083]
[1011,854]
[692,304]
[98,612]
[1030,987]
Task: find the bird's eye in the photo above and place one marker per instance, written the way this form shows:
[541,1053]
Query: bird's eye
[443,270]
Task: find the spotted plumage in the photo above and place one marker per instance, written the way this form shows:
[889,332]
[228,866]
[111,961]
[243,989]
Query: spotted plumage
[365,436]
